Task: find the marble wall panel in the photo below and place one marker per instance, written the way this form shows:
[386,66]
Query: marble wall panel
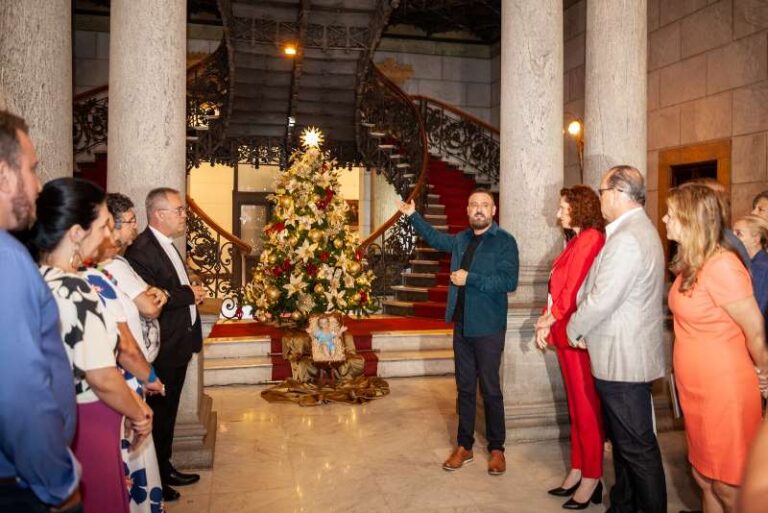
[671,10]
[664,128]
[575,19]
[423,66]
[664,46]
[450,92]
[683,81]
[706,119]
[574,51]
[652,173]
[652,206]
[750,109]
[478,95]
[85,44]
[707,28]
[464,68]
[748,157]
[749,16]
[654,7]
[653,90]
[102,45]
[740,63]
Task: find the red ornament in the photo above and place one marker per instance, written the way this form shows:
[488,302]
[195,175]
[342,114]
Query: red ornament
[311,269]
[277,270]
[324,256]
[363,297]
[287,264]
[277,227]
[358,255]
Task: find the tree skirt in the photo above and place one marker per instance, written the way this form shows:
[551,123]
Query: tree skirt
[359,390]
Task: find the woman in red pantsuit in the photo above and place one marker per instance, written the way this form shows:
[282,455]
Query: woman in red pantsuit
[580,214]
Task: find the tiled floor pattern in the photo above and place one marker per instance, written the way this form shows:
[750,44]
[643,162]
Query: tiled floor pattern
[383,457]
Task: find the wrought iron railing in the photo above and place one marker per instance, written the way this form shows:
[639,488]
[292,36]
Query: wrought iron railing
[456,135]
[208,95]
[392,134]
[216,256]
[89,120]
[207,106]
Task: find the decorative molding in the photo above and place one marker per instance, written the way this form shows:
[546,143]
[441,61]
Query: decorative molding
[396,72]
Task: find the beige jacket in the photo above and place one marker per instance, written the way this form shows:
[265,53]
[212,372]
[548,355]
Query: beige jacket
[619,313]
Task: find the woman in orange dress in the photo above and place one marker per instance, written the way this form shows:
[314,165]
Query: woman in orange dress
[720,358]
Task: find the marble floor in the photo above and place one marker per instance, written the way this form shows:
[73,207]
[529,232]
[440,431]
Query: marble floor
[382,457]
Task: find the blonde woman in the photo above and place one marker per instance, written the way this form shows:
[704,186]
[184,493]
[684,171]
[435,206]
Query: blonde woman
[720,358]
[752,231]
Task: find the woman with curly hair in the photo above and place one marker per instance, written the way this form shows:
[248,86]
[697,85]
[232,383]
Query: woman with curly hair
[579,215]
[720,359]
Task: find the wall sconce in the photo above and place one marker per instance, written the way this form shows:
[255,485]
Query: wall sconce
[576,130]
[290,50]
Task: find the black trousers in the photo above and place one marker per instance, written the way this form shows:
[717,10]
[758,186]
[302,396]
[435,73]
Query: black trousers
[16,499]
[165,410]
[479,358]
[640,483]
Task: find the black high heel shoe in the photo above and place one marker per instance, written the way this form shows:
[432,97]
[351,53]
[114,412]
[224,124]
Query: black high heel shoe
[564,492]
[597,498]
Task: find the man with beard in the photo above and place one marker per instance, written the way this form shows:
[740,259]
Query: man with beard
[37,393]
[484,268]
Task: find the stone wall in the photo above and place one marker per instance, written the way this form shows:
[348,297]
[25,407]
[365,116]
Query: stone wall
[456,74]
[707,81]
[91,56]
[574,33]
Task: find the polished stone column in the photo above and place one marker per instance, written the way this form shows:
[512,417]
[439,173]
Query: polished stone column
[531,178]
[147,97]
[616,77]
[147,149]
[36,77]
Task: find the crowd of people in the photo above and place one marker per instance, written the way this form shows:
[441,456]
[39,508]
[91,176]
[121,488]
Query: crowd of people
[99,324]
[605,319]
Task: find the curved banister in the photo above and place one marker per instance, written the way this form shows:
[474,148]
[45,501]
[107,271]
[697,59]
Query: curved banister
[422,179]
[234,239]
[458,112]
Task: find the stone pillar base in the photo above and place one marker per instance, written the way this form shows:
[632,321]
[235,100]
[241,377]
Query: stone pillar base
[194,444]
[194,440]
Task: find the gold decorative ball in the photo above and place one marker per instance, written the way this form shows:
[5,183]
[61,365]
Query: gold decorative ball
[315,198]
[354,300]
[273,293]
[361,281]
[319,288]
[355,267]
[315,235]
[296,316]
[272,258]
[338,243]
[286,202]
[293,240]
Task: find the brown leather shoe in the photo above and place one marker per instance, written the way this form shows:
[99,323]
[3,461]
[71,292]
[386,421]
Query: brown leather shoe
[497,465]
[458,458]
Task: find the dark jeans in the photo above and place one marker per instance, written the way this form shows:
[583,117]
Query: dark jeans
[165,410]
[16,499]
[479,358]
[640,483]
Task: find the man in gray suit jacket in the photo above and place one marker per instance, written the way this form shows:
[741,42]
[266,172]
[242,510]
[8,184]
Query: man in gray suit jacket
[619,320]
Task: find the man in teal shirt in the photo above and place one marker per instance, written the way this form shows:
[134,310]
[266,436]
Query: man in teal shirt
[484,269]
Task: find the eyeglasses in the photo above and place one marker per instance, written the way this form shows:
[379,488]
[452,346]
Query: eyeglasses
[181,211]
[601,191]
[127,221]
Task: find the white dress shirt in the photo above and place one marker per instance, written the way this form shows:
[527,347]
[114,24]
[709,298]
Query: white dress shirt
[181,272]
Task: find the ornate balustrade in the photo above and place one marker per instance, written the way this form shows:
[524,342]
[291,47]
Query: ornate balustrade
[459,136]
[391,133]
[89,119]
[216,256]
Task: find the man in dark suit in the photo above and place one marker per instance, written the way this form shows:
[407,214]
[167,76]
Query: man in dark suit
[156,259]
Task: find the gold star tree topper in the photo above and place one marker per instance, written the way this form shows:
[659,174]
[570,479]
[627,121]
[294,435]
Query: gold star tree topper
[312,137]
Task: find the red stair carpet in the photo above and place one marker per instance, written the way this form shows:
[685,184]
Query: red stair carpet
[361,329]
[454,187]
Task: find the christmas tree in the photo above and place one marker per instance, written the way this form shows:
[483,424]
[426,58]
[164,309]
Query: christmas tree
[311,262]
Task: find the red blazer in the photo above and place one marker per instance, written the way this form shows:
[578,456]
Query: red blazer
[568,273]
